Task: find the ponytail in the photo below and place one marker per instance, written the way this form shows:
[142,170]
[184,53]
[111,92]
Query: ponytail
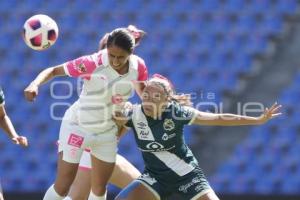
[136,33]
[103,42]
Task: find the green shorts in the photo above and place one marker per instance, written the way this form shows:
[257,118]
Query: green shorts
[190,186]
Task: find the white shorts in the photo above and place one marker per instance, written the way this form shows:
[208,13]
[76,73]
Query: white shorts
[73,140]
[85,161]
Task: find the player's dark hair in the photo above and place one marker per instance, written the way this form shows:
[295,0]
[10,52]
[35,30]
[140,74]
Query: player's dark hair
[125,38]
[121,38]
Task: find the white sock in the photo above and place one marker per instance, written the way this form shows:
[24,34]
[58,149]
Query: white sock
[51,194]
[67,198]
[92,196]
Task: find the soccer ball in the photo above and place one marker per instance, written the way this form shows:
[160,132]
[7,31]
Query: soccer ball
[40,32]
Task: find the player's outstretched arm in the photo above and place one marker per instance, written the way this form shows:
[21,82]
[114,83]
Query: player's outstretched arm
[9,129]
[31,91]
[204,118]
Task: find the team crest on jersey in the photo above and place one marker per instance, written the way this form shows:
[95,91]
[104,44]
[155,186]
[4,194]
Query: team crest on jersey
[81,68]
[169,124]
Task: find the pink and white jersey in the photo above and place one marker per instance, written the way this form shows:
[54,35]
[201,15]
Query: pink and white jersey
[103,90]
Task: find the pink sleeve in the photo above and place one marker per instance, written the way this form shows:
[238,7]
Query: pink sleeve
[142,70]
[83,66]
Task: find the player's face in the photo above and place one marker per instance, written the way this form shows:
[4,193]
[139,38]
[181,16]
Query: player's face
[117,57]
[154,100]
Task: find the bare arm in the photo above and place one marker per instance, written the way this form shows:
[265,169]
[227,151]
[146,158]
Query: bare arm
[139,88]
[48,74]
[204,118]
[31,91]
[120,119]
[7,126]
[122,131]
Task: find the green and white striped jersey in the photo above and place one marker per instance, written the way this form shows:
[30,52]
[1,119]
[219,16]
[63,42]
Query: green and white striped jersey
[161,141]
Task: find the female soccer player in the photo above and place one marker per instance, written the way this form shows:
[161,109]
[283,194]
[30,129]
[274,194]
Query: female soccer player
[170,166]
[109,76]
[9,129]
[81,186]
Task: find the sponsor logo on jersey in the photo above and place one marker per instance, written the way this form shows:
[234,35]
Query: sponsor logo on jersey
[75,140]
[199,188]
[141,125]
[169,124]
[81,68]
[165,136]
[144,134]
[184,188]
[154,146]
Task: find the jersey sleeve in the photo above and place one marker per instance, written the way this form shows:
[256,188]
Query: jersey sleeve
[142,70]
[2,98]
[81,67]
[185,114]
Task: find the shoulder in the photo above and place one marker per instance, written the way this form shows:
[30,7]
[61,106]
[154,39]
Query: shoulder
[180,111]
[100,57]
[139,65]
[137,62]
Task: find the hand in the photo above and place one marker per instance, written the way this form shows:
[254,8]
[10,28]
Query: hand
[128,106]
[270,113]
[31,92]
[119,118]
[20,140]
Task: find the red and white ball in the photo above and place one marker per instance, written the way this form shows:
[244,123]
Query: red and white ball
[40,32]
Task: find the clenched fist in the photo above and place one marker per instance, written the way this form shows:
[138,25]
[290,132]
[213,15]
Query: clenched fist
[31,92]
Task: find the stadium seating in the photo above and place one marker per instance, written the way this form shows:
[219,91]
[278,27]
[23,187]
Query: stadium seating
[201,46]
[272,151]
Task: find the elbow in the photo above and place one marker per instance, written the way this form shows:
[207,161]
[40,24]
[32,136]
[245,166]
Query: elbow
[3,118]
[57,71]
[53,72]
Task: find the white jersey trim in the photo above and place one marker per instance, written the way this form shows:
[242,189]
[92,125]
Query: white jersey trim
[140,124]
[172,161]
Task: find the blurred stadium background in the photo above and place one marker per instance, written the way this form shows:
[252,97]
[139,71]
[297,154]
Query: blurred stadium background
[238,50]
